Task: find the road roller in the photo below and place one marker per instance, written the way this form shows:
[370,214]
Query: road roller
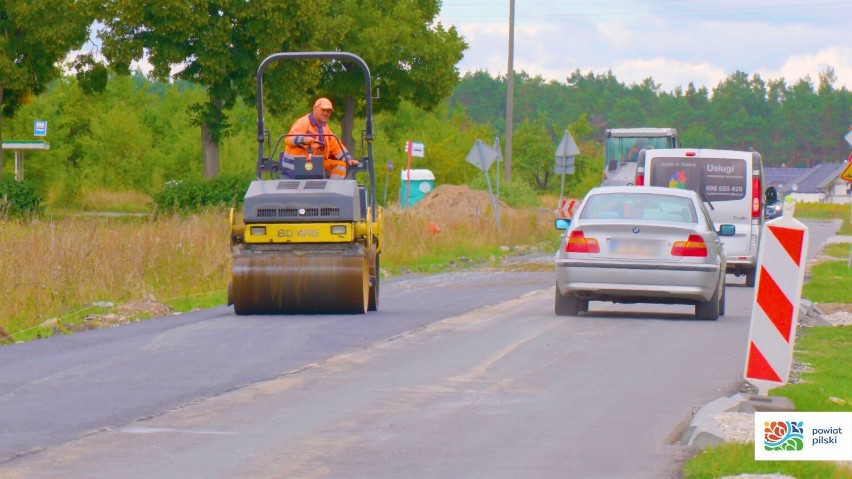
[307,244]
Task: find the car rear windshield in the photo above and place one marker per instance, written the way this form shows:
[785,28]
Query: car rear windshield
[639,206]
[715,179]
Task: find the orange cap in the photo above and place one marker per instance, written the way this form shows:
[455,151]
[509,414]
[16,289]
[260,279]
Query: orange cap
[324,103]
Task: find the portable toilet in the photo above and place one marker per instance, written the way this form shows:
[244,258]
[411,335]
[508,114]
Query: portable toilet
[421,183]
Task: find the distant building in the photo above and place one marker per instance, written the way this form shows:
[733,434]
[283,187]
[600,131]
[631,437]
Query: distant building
[818,184]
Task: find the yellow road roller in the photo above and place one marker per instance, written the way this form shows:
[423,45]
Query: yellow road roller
[306,244]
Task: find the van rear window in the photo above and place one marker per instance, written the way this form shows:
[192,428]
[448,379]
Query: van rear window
[718,179]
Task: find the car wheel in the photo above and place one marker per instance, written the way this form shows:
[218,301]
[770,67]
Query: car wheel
[750,277]
[566,305]
[722,300]
[708,310]
[583,305]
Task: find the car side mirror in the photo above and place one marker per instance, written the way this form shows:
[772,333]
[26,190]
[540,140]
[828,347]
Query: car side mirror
[562,223]
[727,230]
[771,195]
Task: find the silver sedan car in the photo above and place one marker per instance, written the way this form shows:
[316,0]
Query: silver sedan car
[641,245]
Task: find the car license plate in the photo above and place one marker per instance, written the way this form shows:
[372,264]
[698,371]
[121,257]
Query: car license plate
[634,247]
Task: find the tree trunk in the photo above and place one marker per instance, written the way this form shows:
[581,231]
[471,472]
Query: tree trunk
[209,141]
[347,124]
[211,153]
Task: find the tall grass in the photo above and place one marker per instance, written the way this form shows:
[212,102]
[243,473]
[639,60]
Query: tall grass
[424,243]
[53,267]
[59,267]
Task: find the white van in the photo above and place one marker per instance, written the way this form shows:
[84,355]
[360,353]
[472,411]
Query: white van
[729,182]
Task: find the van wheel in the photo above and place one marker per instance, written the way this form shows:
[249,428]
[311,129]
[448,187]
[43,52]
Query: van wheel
[566,305]
[583,305]
[750,277]
[709,310]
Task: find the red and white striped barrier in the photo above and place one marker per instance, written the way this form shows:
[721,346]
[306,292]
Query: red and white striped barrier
[566,208]
[775,313]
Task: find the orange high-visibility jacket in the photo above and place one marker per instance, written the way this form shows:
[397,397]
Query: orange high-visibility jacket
[334,154]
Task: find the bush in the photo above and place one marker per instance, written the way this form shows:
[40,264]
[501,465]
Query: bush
[191,196]
[18,199]
[517,193]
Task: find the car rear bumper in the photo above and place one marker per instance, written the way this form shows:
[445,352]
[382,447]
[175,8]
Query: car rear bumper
[652,283]
[737,262]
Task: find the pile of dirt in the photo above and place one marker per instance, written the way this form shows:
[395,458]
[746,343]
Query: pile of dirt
[457,202]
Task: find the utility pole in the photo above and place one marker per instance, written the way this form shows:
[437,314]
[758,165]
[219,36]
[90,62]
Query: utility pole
[510,87]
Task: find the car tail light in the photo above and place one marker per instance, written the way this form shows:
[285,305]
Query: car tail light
[693,246]
[755,197]
[578,243]
[640,176]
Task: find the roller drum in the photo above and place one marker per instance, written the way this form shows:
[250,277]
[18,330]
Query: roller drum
[300,284]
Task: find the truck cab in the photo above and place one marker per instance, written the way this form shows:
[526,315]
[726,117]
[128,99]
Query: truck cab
[622,147]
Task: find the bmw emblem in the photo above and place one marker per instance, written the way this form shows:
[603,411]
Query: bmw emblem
[636,230]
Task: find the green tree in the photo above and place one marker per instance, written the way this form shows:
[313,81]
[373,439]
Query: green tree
[483,97]
[34,37]
[411,57]
[738,109]
[218,45]
[627,112]
[532,152]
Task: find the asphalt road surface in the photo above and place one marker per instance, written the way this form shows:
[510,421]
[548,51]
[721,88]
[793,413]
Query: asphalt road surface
[465,374]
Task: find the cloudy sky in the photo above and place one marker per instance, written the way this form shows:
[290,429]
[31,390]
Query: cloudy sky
[672,41]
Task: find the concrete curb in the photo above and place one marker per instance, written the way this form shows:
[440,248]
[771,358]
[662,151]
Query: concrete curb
[706,428]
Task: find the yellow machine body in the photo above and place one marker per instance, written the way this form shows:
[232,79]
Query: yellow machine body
[287,261]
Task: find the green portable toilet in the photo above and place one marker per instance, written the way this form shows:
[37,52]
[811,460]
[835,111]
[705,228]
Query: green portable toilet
[421,183]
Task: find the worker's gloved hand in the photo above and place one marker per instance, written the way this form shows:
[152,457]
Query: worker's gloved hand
[352,162]
[319,146]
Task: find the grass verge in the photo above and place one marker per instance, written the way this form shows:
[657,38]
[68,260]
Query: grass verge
[827,386]
[830,282]
[734,459]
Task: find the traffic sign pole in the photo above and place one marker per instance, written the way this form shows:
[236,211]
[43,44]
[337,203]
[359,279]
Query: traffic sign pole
[482,156]
[408,147]
[565,153]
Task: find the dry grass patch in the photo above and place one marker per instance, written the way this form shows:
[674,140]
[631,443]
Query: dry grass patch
[61,272]
[454,224]
[53,267]
[113,201]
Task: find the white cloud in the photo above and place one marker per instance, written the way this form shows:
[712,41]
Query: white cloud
[669,73]
[798,66]
[790,42]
